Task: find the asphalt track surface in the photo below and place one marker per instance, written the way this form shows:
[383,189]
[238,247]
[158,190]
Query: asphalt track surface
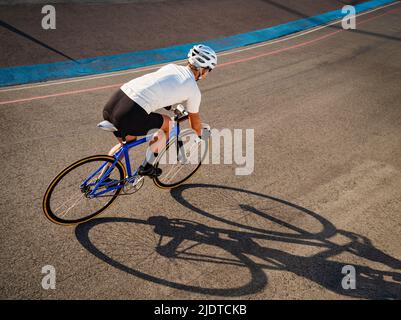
[85,30]
[325,191]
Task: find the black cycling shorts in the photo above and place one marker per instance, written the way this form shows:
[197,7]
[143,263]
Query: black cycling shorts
[129,117]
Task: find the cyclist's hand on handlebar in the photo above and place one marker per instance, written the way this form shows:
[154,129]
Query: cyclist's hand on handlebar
[198,139]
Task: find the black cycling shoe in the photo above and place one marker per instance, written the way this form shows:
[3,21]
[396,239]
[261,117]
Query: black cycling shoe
[149,170]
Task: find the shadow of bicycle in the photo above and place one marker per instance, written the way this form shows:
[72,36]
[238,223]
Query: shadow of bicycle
[265,235]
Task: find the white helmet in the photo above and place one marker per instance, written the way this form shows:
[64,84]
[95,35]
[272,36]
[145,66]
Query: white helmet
[201,56]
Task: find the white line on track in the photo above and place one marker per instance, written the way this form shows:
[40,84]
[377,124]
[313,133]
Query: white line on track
[154,67]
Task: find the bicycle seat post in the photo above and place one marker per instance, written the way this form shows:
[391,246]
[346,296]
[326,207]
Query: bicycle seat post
[124,141]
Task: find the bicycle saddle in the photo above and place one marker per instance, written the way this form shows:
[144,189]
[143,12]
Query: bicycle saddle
[107,125]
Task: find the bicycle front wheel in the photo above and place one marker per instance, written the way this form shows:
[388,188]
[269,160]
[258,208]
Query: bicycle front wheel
[180,159]
[68,199]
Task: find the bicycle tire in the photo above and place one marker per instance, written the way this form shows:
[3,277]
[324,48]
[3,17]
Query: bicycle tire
[46,204]
[163,185]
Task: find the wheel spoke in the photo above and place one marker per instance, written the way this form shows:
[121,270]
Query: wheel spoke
[178,170]
[65,202]
[75,203]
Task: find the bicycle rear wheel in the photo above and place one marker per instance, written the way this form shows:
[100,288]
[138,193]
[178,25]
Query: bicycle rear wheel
[180,159]
[67,200]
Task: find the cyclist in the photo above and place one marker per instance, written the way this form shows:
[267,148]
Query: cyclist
[132,109]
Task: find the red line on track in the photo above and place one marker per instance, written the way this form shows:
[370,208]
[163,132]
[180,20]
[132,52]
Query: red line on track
[300,44]
[306,43]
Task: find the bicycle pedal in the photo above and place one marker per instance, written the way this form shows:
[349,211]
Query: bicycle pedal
[134,186]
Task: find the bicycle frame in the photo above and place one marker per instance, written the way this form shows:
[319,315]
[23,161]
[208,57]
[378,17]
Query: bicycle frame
[124,150]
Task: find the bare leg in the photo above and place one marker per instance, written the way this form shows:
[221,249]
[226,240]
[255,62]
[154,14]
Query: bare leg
[120,144]
[158,143]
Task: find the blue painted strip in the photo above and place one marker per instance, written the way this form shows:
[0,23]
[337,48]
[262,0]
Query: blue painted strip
[59,70]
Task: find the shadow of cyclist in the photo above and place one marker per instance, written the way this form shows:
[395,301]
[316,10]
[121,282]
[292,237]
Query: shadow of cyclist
[370,282]
[245,243]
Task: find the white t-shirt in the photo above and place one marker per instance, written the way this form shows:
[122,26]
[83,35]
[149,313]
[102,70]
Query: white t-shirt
[169,85]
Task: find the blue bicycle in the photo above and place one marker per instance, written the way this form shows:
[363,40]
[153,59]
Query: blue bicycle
[89,186]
